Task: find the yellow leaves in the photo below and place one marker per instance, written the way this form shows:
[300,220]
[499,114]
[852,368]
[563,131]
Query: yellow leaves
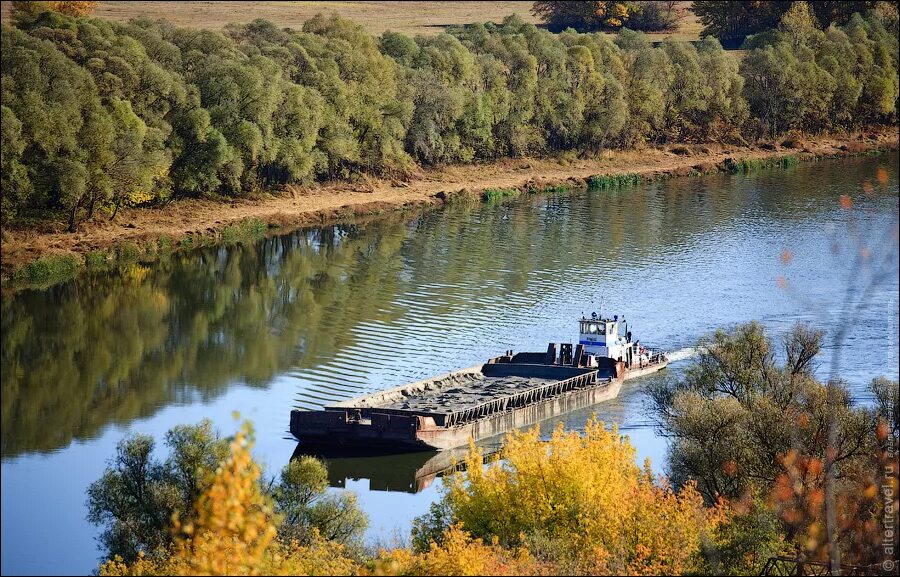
[587,493]
[232,531]
[232,528]
[459,554]
[143,566]
[77,9]
[137,197]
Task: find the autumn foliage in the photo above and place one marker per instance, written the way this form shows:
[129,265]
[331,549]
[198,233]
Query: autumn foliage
[581,504]
[75,9]
[460,554]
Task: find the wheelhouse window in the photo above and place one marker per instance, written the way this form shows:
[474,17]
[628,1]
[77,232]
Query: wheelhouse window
[593,328]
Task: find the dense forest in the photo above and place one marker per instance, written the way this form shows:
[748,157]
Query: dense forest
[97,115]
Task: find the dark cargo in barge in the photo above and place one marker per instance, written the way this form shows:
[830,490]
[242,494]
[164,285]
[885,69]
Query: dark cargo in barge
[506,393]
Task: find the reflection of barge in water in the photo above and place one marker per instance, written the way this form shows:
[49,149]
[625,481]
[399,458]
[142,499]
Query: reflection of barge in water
[409,472]
[507,392]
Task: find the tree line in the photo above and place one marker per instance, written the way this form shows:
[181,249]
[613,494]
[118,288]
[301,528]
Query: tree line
[732,22]
[97,115]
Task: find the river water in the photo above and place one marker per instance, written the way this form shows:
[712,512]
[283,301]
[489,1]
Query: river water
[321,315]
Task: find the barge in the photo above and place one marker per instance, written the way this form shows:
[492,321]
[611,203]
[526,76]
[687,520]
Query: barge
[507,392]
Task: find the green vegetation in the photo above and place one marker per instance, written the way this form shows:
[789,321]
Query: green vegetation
[47,270]
[748,165]
[732,22]
[142,113]
[803,79]
[249,229]
[96,260]
[127,253]
[497,194]
[164,244]
[607,181]
[743,428]
[137,496]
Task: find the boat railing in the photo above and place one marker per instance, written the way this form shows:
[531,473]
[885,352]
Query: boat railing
[657,357]
[517,400]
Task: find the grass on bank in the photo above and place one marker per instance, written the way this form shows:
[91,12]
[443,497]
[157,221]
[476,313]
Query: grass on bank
[608,181]
[52,269]
[748,165]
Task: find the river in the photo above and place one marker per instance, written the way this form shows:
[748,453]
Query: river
[325,314]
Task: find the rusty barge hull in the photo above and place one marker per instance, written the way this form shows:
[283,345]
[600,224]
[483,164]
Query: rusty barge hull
[480,402]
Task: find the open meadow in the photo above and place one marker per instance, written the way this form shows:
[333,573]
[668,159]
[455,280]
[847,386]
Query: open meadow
[428,18]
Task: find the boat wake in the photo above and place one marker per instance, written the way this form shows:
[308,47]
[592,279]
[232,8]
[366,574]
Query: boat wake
[682,354]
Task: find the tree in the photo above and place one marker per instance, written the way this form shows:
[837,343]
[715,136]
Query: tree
[137,495]
[230,530]
[14,180]
[654,16]
[732,22]
[584,16]
[743,427]
[309,512]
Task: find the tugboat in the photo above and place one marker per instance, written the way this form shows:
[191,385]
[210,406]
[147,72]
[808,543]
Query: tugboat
[507,392]
[601,338]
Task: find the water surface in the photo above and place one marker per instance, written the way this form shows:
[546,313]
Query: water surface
[323,315]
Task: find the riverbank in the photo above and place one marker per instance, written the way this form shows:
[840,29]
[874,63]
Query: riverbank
[141,234]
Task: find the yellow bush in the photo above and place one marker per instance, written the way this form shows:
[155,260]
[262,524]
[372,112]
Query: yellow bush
[458,554]
[585,495]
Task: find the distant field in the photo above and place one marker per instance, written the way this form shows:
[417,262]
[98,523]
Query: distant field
[412,18]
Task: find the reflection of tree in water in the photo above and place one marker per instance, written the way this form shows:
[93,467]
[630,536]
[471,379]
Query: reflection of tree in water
[113,348]
[110,348]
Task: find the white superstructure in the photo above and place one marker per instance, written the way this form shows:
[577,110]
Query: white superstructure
[611,338]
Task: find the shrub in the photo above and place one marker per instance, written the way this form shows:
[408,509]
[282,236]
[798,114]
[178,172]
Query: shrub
[607,181]
[47,270]
[127,252]
[96,260]
[584,494]
[497,194]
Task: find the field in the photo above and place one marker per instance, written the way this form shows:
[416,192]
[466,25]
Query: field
[411,18]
